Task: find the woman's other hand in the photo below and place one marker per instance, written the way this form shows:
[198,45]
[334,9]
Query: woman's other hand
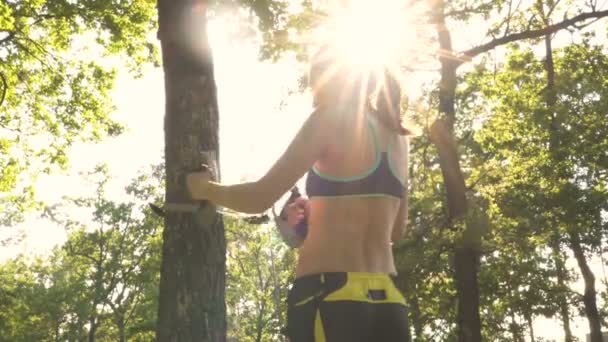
[298,211]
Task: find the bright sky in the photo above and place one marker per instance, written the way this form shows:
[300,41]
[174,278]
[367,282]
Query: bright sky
[257,120]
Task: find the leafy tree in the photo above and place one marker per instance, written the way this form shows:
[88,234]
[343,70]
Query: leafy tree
[23,302]
[537,154]
[515,23]
[260,269]
[102,283]
[56,92]
[117,256]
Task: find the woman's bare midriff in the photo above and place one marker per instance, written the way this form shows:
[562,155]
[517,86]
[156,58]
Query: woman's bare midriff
[349,234]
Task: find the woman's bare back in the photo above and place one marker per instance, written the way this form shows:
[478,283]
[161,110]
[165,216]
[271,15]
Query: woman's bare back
[353,233]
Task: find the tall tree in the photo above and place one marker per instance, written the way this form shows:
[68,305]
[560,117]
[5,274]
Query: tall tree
[591,219]
[546,158]
[510,28]
[192,283]
[101,284]
[260,269]
[114,255]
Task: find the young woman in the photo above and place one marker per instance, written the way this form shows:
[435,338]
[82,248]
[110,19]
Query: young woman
[355,150]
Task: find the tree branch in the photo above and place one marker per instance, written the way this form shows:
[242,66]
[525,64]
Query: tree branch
[11,35]
[582,26]
[4,87]
[552,9]
[471,53]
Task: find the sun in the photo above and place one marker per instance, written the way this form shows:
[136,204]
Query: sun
[369,33]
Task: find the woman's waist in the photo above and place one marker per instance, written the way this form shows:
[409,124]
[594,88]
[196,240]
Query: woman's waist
[348,255]
[348,237]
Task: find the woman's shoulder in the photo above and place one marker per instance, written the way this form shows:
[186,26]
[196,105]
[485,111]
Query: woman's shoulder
[324,118]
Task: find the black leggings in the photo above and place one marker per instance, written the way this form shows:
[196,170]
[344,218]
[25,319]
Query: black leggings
[340,307]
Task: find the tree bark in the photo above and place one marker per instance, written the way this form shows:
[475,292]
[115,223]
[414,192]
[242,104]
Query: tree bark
[466,260]
[466,255]
[192,285]
[589,297]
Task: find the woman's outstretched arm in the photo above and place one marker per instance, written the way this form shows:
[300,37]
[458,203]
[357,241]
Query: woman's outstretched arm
[253,197]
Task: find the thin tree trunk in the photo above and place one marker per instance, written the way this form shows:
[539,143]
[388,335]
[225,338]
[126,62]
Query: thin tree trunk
[260,322]
[466,255]
[589,297]
[563,305]
[514,327]
[560,271]
[120,322]
[553,145]
[530,322]
[276,293]
[57,331]
[416,319]
[192,285]
[92,329]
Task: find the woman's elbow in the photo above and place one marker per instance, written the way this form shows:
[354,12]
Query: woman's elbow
[265,196]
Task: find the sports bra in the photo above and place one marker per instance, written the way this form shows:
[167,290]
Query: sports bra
[380,180]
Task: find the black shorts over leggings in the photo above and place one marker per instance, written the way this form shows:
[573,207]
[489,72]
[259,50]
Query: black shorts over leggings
[341,307]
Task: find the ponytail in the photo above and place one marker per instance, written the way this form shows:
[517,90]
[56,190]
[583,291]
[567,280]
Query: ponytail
[388,105]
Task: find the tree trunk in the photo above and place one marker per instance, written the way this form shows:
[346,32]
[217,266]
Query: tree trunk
[589,297]
[515,329]
[530,322]
[57,331]
[192,285]
[553,145]
[465,269]
[416,319]
[92,329]
[261,305]
[276,293]
[560,271]
[466,257]
[120,322]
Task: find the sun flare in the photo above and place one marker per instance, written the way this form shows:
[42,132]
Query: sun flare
[371,33]
[368,33]
[364,41]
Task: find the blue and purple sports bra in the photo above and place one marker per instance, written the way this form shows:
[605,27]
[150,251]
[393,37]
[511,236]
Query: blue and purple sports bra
[382,179]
